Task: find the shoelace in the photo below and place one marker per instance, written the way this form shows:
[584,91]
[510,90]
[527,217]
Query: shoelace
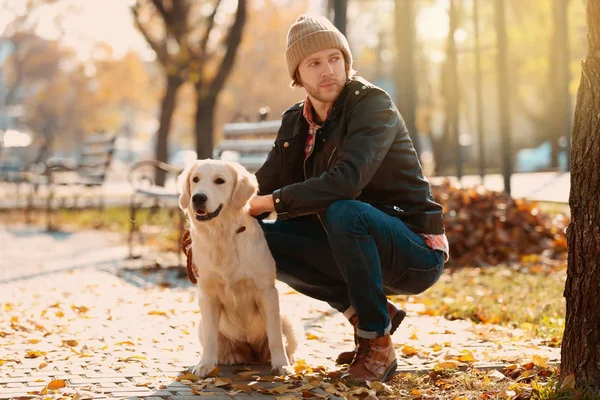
[364,349]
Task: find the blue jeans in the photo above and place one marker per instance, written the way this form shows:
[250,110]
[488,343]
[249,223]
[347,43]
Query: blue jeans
[364,255]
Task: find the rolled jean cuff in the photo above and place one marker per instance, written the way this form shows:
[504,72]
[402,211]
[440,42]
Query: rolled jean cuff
[349,313]
[373,335]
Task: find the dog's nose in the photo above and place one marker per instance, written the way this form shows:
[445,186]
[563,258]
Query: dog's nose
[199,199]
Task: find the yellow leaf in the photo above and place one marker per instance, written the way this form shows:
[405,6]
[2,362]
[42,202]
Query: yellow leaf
[133,358]
[310,336]
[42,365]
[301,366]
[461,398]
[414,336]
[79,309]
[34,354]
[127,343]
[466,358]
[447,344]
[188,376]
[59,314]
[446,365]
[155,312]
[540,361]
[70,343]
[214,372]
[8,307]
[56,384]
[436,348]
[409,350]
[415,392]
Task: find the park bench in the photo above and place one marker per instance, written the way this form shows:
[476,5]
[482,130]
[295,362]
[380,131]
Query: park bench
[145,193]
[86,175]
[247,142]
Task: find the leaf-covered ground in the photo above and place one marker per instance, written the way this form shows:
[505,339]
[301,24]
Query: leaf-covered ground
[78,321]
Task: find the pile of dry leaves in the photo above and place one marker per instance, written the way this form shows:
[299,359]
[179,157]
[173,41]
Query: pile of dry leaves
[487,228]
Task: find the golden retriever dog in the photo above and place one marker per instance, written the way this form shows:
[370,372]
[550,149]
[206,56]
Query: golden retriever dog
[239,303]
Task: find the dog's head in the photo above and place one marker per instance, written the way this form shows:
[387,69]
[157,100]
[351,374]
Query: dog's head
[208,187]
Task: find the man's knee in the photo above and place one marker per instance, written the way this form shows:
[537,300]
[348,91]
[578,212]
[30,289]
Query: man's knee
[342,215]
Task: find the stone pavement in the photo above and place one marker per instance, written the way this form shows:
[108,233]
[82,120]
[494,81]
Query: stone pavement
[75,311]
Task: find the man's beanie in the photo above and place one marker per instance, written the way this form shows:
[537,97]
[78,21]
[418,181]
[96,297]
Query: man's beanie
[310,34]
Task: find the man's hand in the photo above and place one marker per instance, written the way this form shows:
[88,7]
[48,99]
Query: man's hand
[261,204]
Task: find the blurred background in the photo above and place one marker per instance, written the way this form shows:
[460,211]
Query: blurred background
[486,86]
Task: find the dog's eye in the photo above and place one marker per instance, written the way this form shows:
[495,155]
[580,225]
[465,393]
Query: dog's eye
[219,181]
[195,180]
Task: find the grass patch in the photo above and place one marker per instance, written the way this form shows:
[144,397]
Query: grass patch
[527,298]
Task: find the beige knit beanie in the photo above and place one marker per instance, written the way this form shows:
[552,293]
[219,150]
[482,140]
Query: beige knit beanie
[310,34]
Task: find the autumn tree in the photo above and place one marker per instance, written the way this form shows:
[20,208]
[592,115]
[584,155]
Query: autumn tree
[579,354]
[192,44]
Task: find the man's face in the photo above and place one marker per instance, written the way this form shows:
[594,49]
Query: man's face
[323,74]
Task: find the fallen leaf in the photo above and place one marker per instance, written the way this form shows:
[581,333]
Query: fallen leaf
[301,366]
[71,343]
[155,312]
[446,365]
[310,336]
[468,357]
[280,389]
[126,343]
[214,372]
[540,361]
[56,384]
[33,341]
[42,365]
[34,354]
[409,350]
[221,381]
[243,387]
[188,376]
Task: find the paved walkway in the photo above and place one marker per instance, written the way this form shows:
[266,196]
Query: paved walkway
[73,309]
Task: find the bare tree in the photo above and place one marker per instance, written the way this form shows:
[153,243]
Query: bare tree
[189,42]
[579,355]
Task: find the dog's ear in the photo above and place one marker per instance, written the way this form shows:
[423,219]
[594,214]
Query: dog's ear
[244,188]
[183,183]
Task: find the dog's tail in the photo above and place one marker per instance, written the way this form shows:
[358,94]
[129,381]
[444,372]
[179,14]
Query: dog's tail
[291,339]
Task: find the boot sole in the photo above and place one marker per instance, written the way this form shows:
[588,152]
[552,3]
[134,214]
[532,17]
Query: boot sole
[396,321]
[390,371]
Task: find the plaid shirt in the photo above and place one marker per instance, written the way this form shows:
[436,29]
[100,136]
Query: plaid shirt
[435,242]
[312,127]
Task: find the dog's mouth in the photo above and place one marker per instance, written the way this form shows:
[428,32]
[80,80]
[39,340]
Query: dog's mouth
[202,215]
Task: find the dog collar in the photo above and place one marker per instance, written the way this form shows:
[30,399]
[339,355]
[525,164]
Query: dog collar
[186,247]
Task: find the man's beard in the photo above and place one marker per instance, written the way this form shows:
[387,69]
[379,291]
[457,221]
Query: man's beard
[330,95]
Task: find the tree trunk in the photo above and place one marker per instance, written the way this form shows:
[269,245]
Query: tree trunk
[579,355]
[405,76]
[503,94]
[161,150]
[205,121]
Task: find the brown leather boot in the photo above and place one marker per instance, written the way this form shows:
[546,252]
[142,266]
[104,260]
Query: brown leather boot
[375,360]
[396,317]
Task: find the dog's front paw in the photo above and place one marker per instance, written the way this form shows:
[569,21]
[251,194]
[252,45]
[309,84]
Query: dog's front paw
[279,370]
[203,369]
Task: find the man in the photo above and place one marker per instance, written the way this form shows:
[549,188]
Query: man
[356,219]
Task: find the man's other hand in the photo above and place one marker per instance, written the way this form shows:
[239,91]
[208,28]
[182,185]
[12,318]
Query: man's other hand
[261,204]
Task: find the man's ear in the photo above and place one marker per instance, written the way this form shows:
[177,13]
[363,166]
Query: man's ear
[183,183]
[244,188]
